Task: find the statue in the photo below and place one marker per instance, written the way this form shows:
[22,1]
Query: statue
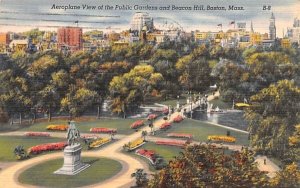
[72,153]
[72,134]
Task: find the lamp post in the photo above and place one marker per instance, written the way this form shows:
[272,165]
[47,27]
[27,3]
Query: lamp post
[199,99]
[178,104]
[191,102]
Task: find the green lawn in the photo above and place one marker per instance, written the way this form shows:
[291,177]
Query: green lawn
[8,144]
[123,125]
[42,174]
[201,131]
[221,104]
[167,152]
[173,102]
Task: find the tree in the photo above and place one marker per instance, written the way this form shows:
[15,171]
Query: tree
[293,154]
[194,73]
[48,82]
[14,90]
[267,68]
[141,177]
[20,152]
[209,166]
[77,100]
[272,117]
[289,177]
[231,78]
[129,90]
[163,61]
[3,116]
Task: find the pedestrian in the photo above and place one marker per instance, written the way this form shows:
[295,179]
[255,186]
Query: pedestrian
[265,161]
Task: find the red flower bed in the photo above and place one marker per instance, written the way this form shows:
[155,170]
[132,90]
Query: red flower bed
[171,143]
[47,147]
[152,117]
[180,135]
[103,130]
[137,124]
[165,111]
[149,154]
[178,119]
[165,125]
[37,134]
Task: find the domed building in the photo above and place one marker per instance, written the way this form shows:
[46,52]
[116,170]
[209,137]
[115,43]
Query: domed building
[141,20]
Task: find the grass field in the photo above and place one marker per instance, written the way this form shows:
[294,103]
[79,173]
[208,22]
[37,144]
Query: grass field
[123,125]
[173,102]
[8,144]
[201,131]
[42,174]
[167,152]
[221,104]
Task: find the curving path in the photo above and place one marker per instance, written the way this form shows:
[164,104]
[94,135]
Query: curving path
[9,176]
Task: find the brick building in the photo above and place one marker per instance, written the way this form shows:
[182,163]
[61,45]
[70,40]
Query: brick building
[4,42]
[69,38]
[4,38]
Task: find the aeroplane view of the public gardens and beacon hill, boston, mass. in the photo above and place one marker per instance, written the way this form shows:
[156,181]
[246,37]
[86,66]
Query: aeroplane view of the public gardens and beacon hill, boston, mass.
[146,93]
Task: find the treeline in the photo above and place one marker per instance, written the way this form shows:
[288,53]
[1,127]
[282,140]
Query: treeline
[130,76]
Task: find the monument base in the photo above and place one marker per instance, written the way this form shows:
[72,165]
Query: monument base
[72,161]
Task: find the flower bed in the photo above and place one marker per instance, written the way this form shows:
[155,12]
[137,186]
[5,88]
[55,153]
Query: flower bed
[135,144]
[137,124]
[178,119]
[152,116]
[165,111]
[103,130]
[99,142]
[47,147]
[180,135]
[148,154]
[220,138]
[171,143]
[89,136]
[165,125]
[57,127]
[42,134]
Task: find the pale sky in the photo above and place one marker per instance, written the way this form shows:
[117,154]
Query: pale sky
[21,15]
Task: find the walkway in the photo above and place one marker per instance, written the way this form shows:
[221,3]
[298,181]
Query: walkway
[269,166]
[229,146]
[9,176]
[61,134]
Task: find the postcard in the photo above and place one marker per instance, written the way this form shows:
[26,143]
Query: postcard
[147,93]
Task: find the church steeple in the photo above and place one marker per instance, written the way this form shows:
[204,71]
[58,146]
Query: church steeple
[272,28]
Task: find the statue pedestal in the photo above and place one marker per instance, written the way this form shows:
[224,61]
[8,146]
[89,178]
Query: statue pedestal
[72,161]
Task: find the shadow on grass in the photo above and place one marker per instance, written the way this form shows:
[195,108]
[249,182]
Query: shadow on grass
[92,161]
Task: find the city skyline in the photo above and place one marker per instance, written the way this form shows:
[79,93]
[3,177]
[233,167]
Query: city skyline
[26,19]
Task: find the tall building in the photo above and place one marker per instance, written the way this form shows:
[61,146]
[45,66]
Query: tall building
[294,33]
[252,29]
[4,41]
[272,28]
[4,38]
[139,20]
[69,38]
